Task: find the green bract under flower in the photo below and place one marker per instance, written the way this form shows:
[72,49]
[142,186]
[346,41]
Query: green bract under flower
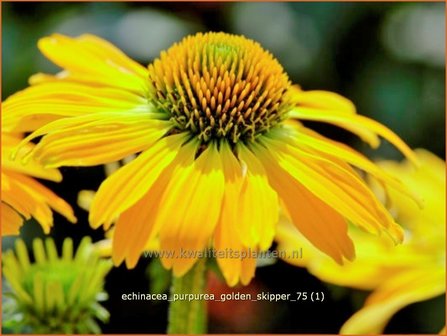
[55,294]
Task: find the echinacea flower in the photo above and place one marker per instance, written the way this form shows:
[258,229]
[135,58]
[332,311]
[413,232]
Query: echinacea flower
[216,123]
[22,196]
[398,275]
[55,294]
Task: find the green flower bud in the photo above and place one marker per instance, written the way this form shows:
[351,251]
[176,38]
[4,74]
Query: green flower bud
[55,294]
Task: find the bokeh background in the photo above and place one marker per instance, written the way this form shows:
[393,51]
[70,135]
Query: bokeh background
[389,58]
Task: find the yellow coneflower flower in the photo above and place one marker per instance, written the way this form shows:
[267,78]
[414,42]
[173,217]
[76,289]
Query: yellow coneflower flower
[22,196]
[398,275]
[216,122]
[55,294]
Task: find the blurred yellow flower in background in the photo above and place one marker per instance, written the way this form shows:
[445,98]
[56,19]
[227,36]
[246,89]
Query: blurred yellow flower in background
[217,125]
[398,275]
[22,196]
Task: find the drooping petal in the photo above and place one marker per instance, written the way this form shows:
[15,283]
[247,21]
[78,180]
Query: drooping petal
[11,220]
[226,235]
[258,204]
[248,267]
[96,60]
[97,144]
[336,151]
[15,196]
[404,289]
[321,100]
[95,138]
[131,182]
[191,206]
[38,191]
[136,227]
[30,198]
[367,129]
[234,259]
[38,105]
[111,55]
[32,167]
[318,222]
[339,187]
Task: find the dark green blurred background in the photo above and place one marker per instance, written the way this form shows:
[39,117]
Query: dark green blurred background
[389,58]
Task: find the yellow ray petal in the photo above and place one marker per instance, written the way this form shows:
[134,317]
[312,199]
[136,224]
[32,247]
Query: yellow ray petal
[230,267]
[307,113]
[322,100]
[108,120]
[364,127]
[96,145]
[226,236]
[111,55]
[289,239]
[90,80]
[131,182]
[30,198]
[404,289]
[14,195]
[135,227]
[248,268]
[94,57]
[43,194]
[32,167]
[337,186]
[191,206]
[94,139]
[37,105]
[235,261]
[11,220]
[325,147]
[258,204]
[318,222]
[75,93]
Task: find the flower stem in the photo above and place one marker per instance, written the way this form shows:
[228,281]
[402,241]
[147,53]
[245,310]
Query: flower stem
[188,316]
